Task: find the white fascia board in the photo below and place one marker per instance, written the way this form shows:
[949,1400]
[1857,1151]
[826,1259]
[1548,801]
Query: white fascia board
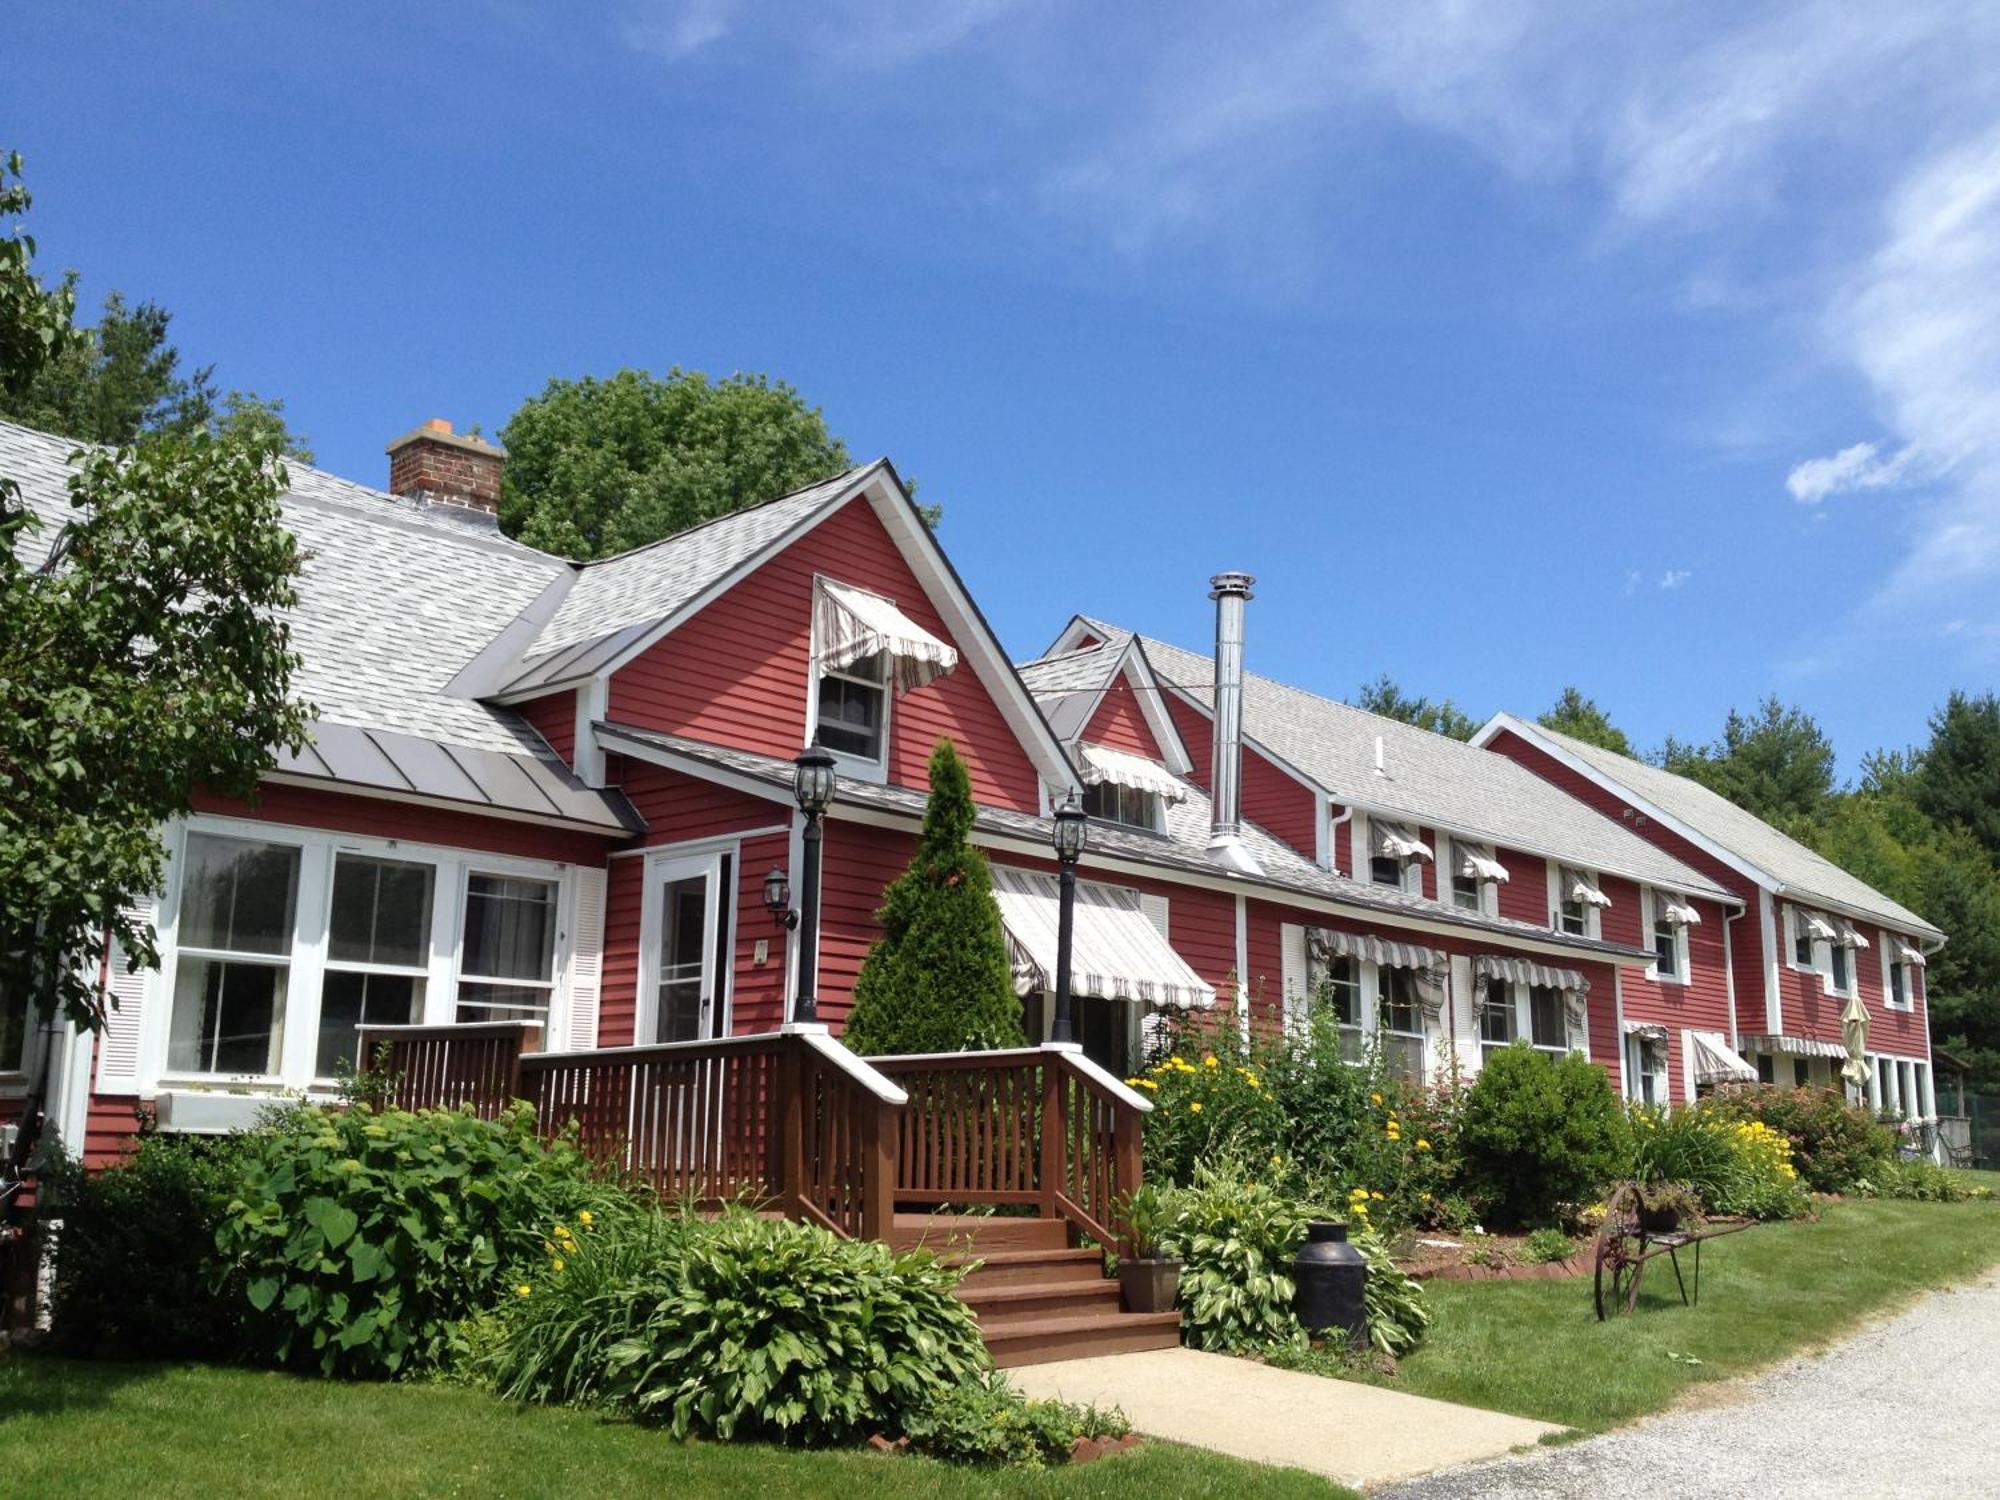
[1073,632]
[1619,789]
[969,630]
[1133,666]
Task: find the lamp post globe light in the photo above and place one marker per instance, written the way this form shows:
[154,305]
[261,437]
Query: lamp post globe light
[812,788]
[1071,835]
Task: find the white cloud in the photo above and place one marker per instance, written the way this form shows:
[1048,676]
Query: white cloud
[1673,578]
[679,28]
[1859,467]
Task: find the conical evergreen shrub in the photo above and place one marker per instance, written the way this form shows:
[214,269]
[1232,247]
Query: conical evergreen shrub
[938,979]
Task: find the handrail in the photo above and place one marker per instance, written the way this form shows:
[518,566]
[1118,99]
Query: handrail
[816,1037]
[1096,1073]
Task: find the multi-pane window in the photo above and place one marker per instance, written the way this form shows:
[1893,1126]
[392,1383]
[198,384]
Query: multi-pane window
[1547,1028]
[507,967]
[1401,1019]
[1574,918]
[853,708]
[1666,941]
[1646,1059]
[1801,1073]
[1340,992]
[1898,982]
[1465,891]
[13,1031]
[1843,962]
[1131,806]
[239,901]
[1496,1016]
[1384,869]
[1802,941]
[1767,1068]
[377,955]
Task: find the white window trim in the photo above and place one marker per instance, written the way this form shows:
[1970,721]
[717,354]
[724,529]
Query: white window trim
[558,957]
[858,767]
[1633,1069]
[1155,803]
[35,1032]
[1371,1018]
[1648,900]
[1889,942]
[318,847]
[1412,882]
[1489,890]
[1822,962]
[696,856]
[1593,916]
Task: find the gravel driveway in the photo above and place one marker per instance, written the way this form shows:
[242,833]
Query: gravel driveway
[1911,1407]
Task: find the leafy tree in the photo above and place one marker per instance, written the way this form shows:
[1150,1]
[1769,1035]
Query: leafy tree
[938,979]
[1581,719]
[596,466]
[1442,716]
[1777,763]
[1957,780]
[145,658]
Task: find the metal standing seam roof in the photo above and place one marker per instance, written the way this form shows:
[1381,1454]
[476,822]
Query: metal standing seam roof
[1183,847]
[1431,779]
[1799,871]
[394,598]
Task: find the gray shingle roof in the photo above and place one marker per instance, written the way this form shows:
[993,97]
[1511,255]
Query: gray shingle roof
[1183,847]
[1430,779]
[1069,671]
[1796,869]
[394,599]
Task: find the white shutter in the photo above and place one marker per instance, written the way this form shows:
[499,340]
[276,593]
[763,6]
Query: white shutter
[586,961]
[1297,979]
[125,1013]
[1155,908]
[1155,1025]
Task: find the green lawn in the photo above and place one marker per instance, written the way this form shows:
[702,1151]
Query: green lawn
[203,1433]
[1536,1348]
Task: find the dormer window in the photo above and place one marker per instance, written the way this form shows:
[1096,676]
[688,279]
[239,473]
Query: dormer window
[1578,902]
[854,709]
[1394,853]
[1123,804]
[1475,872]
[1128,789]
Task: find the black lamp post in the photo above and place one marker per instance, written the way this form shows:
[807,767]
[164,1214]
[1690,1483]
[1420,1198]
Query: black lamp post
[812,789]
[1072,832]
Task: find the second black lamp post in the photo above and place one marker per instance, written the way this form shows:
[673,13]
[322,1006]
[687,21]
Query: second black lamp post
[1072,833]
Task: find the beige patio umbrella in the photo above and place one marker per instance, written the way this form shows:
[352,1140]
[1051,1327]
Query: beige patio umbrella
[1854,1032]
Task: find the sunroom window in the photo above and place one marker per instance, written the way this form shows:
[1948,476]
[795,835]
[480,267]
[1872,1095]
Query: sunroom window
[507,969]
[378,953]
[239,902]
[1842,965]
[1548,1028]
[13,1031]
[853,708]
[1496,1017]
[1339,990]
[1401,1019]
[1131,806]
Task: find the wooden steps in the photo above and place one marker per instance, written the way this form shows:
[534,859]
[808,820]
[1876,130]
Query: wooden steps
[1037,1298]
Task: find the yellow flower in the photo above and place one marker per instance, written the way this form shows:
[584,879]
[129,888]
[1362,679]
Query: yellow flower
[586,1218]
[1422,1144]
[1131,1083]
[1377,1098]
[1147,1083]
[1210,1062]
[524,1290]
[1195,1107]
[1376,1196]
[1277,1161]
[558,1263]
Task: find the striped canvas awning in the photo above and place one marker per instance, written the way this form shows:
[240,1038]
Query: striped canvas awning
[852,624]
[1367,948]
[1525,971]
[1396,841]
[1577,886]
[1794,1046]
[1675,910]
[1116,953]
[1715,1061]
[1909,954]
[1121,768]
[1647,1031]
[1850,935]
[1818,926]
[1476,862]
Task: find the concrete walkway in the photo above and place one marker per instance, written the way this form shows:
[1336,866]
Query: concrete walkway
[1910,1407]
[1360,1435]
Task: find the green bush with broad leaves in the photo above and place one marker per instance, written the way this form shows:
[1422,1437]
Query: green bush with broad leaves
[1734,1165]
[984,1421]
[360,1240]
[1834,1144]
[1921,1182]
[736,1327]
[156,1209]
[1542,1137]
[1235,1236]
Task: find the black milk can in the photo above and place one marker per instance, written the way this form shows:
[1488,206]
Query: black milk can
[1332,1281]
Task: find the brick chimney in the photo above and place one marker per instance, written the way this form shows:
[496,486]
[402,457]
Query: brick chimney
[442,467]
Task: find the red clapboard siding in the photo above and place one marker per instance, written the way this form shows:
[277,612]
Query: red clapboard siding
[1119,723]
[1271,798]
[678,807]
[306,807]
[1267,961]
[1524,895]
[1803,1001]
[1746,935]
[1906,1033]
[1427,869]
[618,992]
[1702,1004]
[757,991]
[860,861]
[554,719]
[737,672]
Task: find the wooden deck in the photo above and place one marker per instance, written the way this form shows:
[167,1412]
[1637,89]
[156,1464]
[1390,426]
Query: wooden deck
[1039,1142]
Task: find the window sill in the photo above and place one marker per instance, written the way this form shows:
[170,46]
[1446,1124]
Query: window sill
[199,1112]
[854,768]
[1681,981]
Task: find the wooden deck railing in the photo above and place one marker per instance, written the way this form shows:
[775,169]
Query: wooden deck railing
[789,1119]
[1037,1125]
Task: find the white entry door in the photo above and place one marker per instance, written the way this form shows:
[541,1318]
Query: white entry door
[687,921]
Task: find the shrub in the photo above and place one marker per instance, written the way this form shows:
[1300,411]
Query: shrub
[1921,1181]
[1237,1237]
[134,1255]
[1541,1134]
[1546,1245]
[983,1420]
[1834,1144]
[938,979]
[359,1239]
[738,1327]
[1732,1165]
[1208,1102]
[1397,1316]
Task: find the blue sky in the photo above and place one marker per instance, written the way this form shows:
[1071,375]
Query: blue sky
[1651,348]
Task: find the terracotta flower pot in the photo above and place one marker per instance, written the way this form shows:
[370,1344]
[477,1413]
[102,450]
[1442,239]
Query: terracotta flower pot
[1149,1286]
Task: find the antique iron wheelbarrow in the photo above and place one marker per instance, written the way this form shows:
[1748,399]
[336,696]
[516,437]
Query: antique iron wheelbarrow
[1634,1232]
